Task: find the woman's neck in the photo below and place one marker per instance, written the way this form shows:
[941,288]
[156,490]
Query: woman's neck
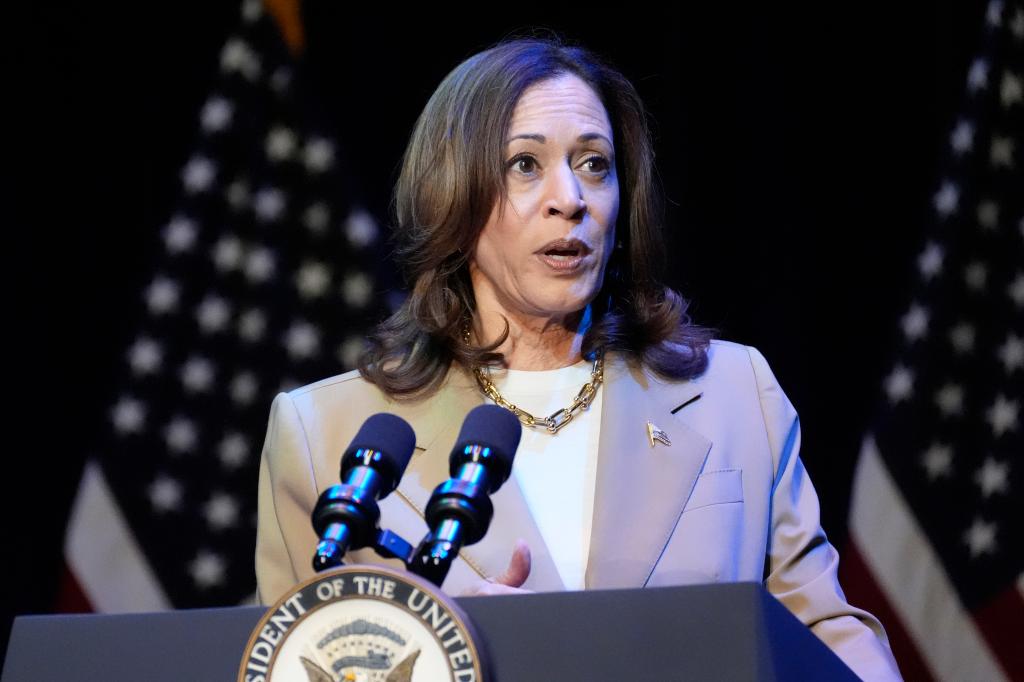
[534,343]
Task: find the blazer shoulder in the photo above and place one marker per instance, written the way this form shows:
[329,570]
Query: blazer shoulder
[347,389]
[734,361]
[336,382]
[731,363]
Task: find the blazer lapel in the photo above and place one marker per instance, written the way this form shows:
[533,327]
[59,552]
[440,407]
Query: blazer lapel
[437,422]
[641,489]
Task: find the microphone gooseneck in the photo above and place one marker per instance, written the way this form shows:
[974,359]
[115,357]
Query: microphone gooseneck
[346,515]
[460,510]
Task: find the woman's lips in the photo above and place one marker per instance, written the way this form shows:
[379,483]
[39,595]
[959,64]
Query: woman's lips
[562,262]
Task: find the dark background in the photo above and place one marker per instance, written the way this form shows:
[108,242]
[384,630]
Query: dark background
[799,149]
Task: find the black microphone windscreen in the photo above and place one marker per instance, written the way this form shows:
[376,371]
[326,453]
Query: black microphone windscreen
[391,436]
[493,427]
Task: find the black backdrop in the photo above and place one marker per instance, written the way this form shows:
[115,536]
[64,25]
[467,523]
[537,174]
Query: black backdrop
[799,149]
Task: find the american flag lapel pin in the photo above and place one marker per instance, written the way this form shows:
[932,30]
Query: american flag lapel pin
[656,434]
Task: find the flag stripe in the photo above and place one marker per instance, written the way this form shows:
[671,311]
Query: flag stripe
[864,592]
[104,558]
[70,597]
[910,574]
[1002,623]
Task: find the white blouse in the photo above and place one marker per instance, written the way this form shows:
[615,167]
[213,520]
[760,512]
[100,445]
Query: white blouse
[557,472]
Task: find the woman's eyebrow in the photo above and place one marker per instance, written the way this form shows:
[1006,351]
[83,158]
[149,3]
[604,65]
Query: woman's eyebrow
[585,137]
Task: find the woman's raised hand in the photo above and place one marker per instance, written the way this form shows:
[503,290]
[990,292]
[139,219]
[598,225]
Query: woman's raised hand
[510,580]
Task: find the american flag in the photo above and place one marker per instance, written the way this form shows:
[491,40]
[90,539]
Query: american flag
[936,520]
[267,279]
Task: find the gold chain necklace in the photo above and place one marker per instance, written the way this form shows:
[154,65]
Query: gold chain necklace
[556,420]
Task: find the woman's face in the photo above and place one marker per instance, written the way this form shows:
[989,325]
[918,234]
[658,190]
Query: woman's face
[545,254]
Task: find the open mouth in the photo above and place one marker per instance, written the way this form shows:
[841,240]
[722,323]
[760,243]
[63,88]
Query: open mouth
[563,254]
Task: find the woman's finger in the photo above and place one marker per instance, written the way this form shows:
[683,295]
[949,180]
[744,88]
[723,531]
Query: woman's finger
[518,567]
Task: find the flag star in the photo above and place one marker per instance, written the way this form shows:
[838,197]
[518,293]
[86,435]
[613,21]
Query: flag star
[350,350]
[962,338]
[197,375]
[162,296]
[281,143]
[988,214]
[198,174]
[216,114]
[252,325]
[259,265]
[244,388]
[237,194]
[180,435]
[357,289]
[930,260]
[950,399]
[1002,415]
[899,385]
[975,275]
[1016,290]
[946,199]
[316,217]
[233,450]
[977,77]
[221,511]
[145,356]
[1017,29]
[1001,151]
[994,13]
[129,416]
[318,155]
[301,340]
[313,279]
[1010,89]
[992,477]
[1011,353]
[915,322]
[165,494]
[207,569]
[981,538]
[252,10]
[228,253]
[238,56]
[361,229]
[962,138]
[938,461]
[180,234]
[213,314]
[269,204]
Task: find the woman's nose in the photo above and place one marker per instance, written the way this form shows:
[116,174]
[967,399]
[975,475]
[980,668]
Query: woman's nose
[564,195]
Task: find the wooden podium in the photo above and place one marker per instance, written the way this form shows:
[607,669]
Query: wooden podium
[703,632]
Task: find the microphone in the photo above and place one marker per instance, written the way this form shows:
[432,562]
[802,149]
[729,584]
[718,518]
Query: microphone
[460,510]
[346,515]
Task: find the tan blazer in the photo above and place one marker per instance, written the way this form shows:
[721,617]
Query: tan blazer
[728,500]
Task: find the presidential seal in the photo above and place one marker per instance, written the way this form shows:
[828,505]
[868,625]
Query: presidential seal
[363,624]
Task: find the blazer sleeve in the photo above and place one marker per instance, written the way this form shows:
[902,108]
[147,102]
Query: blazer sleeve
[287,493]
[802,564]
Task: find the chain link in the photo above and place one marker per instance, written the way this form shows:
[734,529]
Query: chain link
[556,420]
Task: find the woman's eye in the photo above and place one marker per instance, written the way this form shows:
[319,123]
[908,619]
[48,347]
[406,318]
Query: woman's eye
[523,164]
[598,164]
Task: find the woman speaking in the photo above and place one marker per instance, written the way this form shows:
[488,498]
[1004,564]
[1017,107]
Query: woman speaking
[527,220]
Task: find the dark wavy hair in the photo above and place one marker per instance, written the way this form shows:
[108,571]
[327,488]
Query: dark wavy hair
[453,173]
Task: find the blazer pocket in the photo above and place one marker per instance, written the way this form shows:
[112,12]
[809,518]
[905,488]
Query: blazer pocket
[721,486]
